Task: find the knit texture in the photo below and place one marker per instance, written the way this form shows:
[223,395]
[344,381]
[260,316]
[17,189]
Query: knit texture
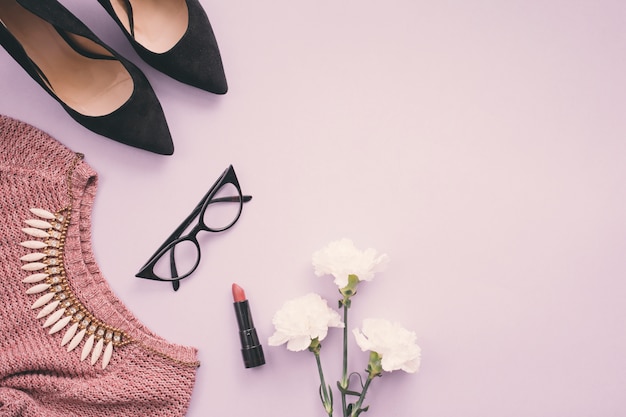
[146,375]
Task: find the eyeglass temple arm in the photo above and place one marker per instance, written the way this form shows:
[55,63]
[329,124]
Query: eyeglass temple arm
[173,270]
[233,199]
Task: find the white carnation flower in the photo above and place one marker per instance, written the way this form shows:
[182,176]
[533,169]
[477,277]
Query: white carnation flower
[393,343]
[341,259]
[301,320]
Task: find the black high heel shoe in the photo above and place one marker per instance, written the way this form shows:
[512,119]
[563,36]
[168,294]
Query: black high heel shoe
[173,36]
[98,88]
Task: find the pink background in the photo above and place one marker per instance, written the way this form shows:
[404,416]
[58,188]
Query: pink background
[481,144]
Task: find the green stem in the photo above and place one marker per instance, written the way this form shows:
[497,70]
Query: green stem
[357,407]
[347,292]
[344,375]
[326,399]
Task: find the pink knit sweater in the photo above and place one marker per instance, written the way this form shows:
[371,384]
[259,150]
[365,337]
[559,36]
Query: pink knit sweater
[68,346]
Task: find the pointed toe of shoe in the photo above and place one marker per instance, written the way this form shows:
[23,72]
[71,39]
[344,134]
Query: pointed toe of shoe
[205,73]
[132,126]
[212,79]
[141,123]
[151,134]
[195,60]
[203,70]
[163,147]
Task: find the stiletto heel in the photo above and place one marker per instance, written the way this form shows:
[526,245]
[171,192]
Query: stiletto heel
[98,88]
[173,36]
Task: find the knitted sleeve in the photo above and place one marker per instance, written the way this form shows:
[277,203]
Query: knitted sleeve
[69,347]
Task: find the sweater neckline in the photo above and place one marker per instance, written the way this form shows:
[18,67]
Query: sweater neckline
[71,292]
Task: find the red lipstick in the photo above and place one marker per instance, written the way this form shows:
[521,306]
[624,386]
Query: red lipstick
[251,348]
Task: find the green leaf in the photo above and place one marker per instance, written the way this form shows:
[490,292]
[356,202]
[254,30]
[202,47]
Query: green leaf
[361,410]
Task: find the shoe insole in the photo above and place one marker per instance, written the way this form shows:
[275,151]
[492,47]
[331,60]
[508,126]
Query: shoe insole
[157,24]
[90,86]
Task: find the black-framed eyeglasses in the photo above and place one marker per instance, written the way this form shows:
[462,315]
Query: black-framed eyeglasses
[179,256]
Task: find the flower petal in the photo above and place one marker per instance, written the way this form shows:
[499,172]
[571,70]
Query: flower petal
[301,320]
[342,259]
[393,343]
[299,343]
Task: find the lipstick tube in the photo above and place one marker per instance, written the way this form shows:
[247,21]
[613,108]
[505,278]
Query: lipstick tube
[251,349]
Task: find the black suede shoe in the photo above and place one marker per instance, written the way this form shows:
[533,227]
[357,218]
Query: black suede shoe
[98,88]
[173,36]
